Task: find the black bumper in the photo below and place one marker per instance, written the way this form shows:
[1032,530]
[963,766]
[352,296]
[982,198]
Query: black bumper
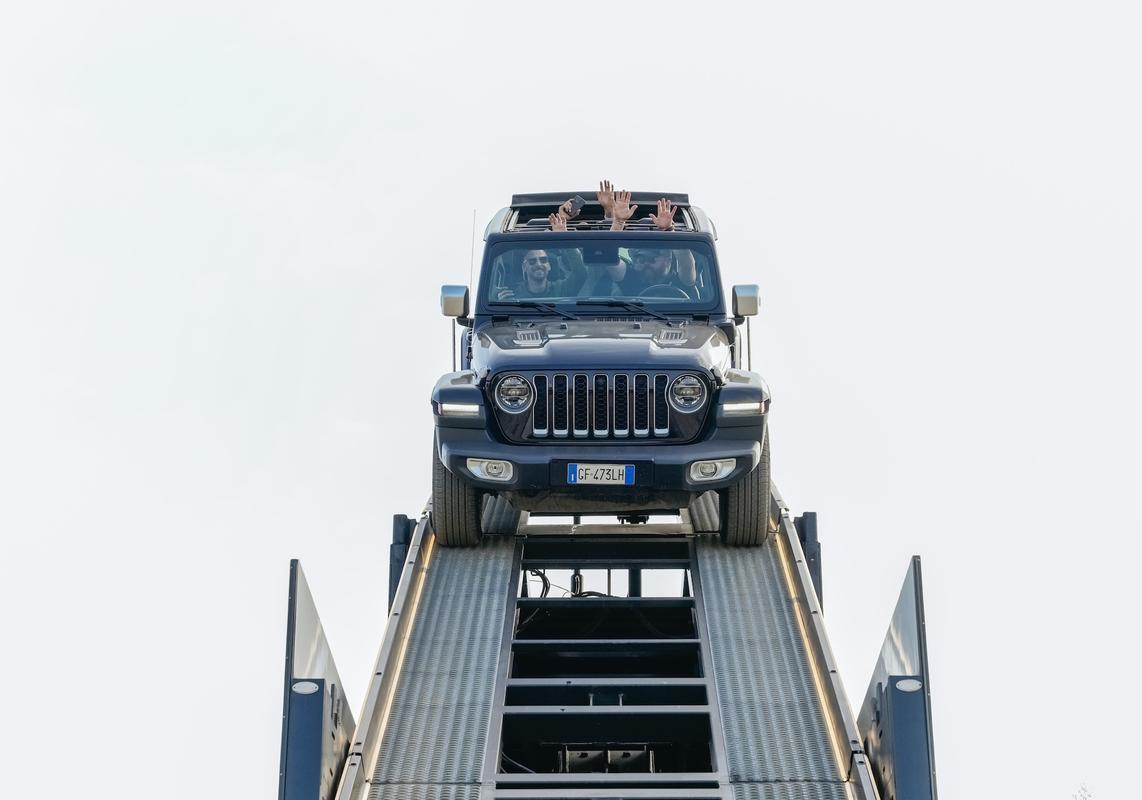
[658,467]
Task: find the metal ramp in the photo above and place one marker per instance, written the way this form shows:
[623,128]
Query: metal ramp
[776,730]
[602,692]
[620,663]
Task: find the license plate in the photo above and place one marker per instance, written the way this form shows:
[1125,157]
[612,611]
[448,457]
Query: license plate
[620,474]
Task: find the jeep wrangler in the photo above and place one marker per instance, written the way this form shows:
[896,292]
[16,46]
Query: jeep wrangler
[600,373]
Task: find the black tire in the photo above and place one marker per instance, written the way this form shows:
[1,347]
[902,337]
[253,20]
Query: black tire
[455,507]
[705,513]
[499,515]
[745,506]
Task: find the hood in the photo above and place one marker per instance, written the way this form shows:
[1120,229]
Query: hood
[591,344]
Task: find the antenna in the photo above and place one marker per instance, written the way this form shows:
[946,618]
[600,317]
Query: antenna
[471,274]
[472,260]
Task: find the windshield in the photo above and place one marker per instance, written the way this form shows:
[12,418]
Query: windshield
[654,273]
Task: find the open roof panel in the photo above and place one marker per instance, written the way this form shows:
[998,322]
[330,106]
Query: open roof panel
[555,198]
[529,212]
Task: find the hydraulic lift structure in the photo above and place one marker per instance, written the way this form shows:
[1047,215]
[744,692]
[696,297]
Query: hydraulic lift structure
[612,662]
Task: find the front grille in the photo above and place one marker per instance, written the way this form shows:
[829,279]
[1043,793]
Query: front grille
[601,406]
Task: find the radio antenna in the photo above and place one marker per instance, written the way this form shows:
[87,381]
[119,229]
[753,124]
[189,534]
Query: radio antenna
[472,260]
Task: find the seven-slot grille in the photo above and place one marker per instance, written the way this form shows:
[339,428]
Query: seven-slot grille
[600,405]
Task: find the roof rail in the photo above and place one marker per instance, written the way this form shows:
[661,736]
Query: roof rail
[555,198]
[529,213]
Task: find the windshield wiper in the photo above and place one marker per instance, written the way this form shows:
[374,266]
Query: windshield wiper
[550,308]
[629,305]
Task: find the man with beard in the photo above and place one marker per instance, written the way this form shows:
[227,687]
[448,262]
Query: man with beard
[536,283]
[661,267]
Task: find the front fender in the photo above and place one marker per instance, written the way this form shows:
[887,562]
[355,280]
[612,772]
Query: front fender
[459,390]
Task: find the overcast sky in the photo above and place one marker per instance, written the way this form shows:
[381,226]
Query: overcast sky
[223,228]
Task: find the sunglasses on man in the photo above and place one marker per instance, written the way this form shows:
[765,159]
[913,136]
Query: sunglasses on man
[647,255]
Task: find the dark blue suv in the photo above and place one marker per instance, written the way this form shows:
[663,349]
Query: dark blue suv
[600,373]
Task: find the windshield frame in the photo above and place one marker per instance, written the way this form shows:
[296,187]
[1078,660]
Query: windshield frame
[702,242]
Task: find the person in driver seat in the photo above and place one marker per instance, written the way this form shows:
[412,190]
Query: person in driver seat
[536,283]
[660,267]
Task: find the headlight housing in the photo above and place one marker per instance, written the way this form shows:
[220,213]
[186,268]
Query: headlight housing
[687,394]
[514,394]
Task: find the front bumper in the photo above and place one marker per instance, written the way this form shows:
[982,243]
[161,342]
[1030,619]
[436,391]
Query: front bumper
[659,468]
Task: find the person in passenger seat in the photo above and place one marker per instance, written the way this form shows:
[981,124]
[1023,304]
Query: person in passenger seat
[655,266]
[661,266]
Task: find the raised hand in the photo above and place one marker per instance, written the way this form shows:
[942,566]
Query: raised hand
[622,210]
[664,219]
[606,197]
[558,220]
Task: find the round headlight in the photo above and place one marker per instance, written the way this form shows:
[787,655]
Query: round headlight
[514,395]
[687,393]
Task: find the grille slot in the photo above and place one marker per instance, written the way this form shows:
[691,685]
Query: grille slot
[559,406]
[641,405]
[661,407]
[539,420]
[622,406]
[581,405]
[599,403]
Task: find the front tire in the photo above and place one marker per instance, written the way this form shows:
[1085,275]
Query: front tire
[745,506]
[455,507]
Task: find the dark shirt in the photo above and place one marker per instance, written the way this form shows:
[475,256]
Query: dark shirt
[638,281]
[566,287]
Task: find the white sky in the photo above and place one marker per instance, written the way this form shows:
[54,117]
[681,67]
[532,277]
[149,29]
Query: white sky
[222,235]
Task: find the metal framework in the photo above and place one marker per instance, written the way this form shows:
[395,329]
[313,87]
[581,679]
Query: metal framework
[602,692]
[700,671]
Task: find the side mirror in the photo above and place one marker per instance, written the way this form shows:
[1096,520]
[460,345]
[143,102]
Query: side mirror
[454,301]
[747,298]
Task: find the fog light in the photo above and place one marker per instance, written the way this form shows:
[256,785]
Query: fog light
[712,470]
[491,470]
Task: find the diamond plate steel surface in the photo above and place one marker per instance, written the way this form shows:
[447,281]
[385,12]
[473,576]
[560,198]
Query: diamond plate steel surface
[425,791]
[790,791]
[771,714]
[433,745]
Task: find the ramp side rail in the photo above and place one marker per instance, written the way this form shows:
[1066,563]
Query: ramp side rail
[366,741]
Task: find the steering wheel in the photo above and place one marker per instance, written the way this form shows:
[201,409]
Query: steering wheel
[663,290]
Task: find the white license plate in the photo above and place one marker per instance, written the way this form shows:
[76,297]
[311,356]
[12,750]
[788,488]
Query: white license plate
[620,474]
